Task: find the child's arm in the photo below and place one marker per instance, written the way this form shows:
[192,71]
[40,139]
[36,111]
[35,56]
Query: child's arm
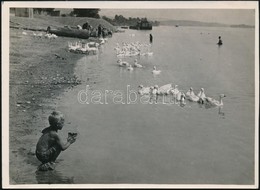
[63,146]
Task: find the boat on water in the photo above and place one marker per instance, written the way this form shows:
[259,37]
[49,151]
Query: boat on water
[124,27]
[143,24]
[70,32]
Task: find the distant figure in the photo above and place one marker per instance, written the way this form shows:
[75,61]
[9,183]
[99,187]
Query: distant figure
[110,33]
[99,30]
[48,30]
[50,144]
[85,26]
[219,40]
[151,38]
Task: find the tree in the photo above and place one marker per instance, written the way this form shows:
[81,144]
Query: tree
[37,10]
[48,10]
[86,13]
[40,10]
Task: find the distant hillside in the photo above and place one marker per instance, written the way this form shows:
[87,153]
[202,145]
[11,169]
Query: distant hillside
[189,23]
[32,22]
[42,22]
[242,26]
[74,21]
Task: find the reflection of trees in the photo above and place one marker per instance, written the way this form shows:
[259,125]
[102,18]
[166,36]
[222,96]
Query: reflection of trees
[52,177]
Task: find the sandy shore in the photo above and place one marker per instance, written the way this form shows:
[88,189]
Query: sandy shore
[40,70]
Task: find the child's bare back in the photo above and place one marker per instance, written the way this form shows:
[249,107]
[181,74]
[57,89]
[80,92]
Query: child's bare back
[50,144]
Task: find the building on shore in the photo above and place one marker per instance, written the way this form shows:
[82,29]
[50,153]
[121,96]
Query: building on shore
[22,12]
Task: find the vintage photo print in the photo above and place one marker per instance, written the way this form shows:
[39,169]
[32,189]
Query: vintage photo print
[138,94]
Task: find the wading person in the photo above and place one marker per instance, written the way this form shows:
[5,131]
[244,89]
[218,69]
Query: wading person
[219,40]
[99,30]
[50,145]
[151,38]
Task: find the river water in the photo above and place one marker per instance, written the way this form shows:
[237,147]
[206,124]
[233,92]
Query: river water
[161,143]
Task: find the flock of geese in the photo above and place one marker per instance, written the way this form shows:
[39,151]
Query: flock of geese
[86,48]
[133,49]
[136,49]
[129,67]
[41,35]
[178,95]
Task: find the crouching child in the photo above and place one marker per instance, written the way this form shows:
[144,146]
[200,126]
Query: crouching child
[50,145]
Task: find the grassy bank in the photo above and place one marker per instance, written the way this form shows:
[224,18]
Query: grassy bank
[42,22]
[40,70]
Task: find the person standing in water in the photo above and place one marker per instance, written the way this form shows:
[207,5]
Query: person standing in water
[219,40]
[151,38]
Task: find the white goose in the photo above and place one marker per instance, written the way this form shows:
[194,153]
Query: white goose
[82,49]
[191,96]
[143,90]
[201,96]
[130,68]
[175,91]
[213,103]
[155,71]
[122,63]
[182,99]
[39,35]
[93,44]
[154,90]
[94,50]
[179,96]
[137,64]
[165,89]
[73,46]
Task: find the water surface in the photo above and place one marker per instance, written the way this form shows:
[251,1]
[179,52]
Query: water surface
[165,144]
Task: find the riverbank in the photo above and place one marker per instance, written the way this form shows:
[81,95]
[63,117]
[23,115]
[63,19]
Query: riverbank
[40,70]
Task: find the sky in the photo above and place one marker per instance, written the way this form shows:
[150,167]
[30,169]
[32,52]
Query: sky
[225,16]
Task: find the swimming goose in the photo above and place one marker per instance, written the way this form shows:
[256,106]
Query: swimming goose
[212,102]
[165,89]
[137,64]
[201,96]
[39,35]
[174,91]
[182,99]
[155,71]
[154,90]
[143,90]
[179,96]
[191,96]
[130,68]
[123,63]
[93,44]
[74,46]
[94,50]
[102,41]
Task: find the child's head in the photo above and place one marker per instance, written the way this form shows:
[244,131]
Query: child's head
[56,120]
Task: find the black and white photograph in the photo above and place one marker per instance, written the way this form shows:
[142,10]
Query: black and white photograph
[137,94]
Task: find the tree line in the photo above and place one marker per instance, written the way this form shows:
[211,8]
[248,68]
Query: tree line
[118,20]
